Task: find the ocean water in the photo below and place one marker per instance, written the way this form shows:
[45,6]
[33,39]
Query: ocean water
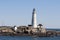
[27,38]
[54,29]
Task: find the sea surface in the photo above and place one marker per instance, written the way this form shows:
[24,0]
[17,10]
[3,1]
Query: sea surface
[30,37]
[27,38]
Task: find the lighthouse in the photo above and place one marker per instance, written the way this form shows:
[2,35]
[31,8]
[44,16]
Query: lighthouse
[34,21]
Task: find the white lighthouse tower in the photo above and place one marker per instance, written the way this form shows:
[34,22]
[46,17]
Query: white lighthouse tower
[34,23]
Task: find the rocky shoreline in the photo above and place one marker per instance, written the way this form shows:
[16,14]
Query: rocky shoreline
[28,31]
[47,34]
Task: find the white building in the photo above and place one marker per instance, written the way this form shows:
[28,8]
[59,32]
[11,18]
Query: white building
[34,23]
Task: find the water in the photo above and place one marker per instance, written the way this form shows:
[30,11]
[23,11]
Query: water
[27,38]
[54,29]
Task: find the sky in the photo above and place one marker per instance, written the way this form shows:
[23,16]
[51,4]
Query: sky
[19,12]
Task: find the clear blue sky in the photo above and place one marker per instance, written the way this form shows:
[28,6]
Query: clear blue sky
[19,12]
